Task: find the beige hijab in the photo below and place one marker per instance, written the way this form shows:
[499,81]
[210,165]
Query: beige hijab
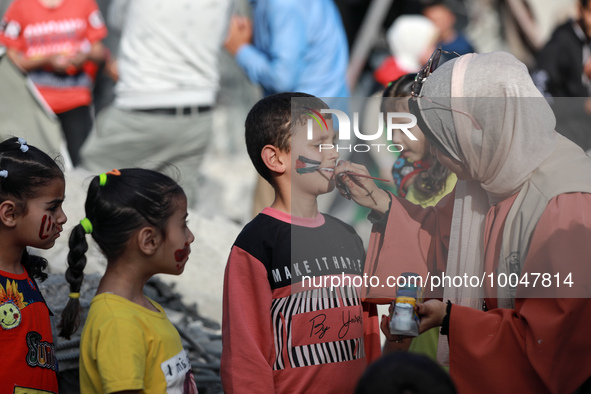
[515,149]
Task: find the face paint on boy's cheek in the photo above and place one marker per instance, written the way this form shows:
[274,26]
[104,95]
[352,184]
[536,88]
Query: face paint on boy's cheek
[181,254]
[46,228]
[306,166]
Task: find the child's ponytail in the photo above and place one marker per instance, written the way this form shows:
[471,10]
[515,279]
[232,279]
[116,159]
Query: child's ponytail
[74,275]
[118,203]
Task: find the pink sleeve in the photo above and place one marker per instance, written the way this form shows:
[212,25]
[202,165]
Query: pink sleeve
[96,30]
[247,334]
[415,239]
[543,345]
[371,332]
[13,24]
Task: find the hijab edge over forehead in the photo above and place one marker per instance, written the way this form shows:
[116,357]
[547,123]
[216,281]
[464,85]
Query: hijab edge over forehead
[438,119]
[517,123]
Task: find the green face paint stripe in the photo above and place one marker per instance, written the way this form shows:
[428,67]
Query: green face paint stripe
[305,165]
[315,118]
[320,116]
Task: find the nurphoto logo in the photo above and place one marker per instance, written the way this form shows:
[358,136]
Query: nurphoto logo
[344,133]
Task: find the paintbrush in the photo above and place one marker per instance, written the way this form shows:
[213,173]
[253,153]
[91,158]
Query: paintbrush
[356,174]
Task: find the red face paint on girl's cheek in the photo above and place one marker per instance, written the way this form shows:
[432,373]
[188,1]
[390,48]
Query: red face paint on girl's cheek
[181,254]
[46,227]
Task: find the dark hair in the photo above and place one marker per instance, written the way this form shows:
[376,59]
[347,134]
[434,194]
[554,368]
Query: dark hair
[28,172]
[430,182]
[400,87]
[430,3]
[405,373]
[270,120]
[127,202]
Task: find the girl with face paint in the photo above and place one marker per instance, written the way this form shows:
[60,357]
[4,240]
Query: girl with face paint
[138,218]
[417,173]
[420,178]
[32,190]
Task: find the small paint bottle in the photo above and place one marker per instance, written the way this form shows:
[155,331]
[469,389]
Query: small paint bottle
[404,320]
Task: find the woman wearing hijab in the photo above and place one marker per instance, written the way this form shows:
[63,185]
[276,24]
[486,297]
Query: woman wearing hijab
[521,207]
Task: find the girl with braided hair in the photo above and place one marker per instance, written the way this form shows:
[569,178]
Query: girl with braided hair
[32,191]
[138,218]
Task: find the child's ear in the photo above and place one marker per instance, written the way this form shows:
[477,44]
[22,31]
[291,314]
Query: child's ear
[275,159]
[149,240]
[8,213]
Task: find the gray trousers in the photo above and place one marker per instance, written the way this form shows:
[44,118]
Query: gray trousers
[171,144]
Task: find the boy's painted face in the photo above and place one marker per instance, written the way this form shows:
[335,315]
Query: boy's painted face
[175,248]
[313,160]
[42,221]
[412,150]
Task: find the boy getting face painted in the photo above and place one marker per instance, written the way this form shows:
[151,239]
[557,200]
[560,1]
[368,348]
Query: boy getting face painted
[271,311]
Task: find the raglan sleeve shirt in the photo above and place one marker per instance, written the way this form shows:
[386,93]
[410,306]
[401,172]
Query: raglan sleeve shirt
[413,239]
[247,333]
[540,346]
